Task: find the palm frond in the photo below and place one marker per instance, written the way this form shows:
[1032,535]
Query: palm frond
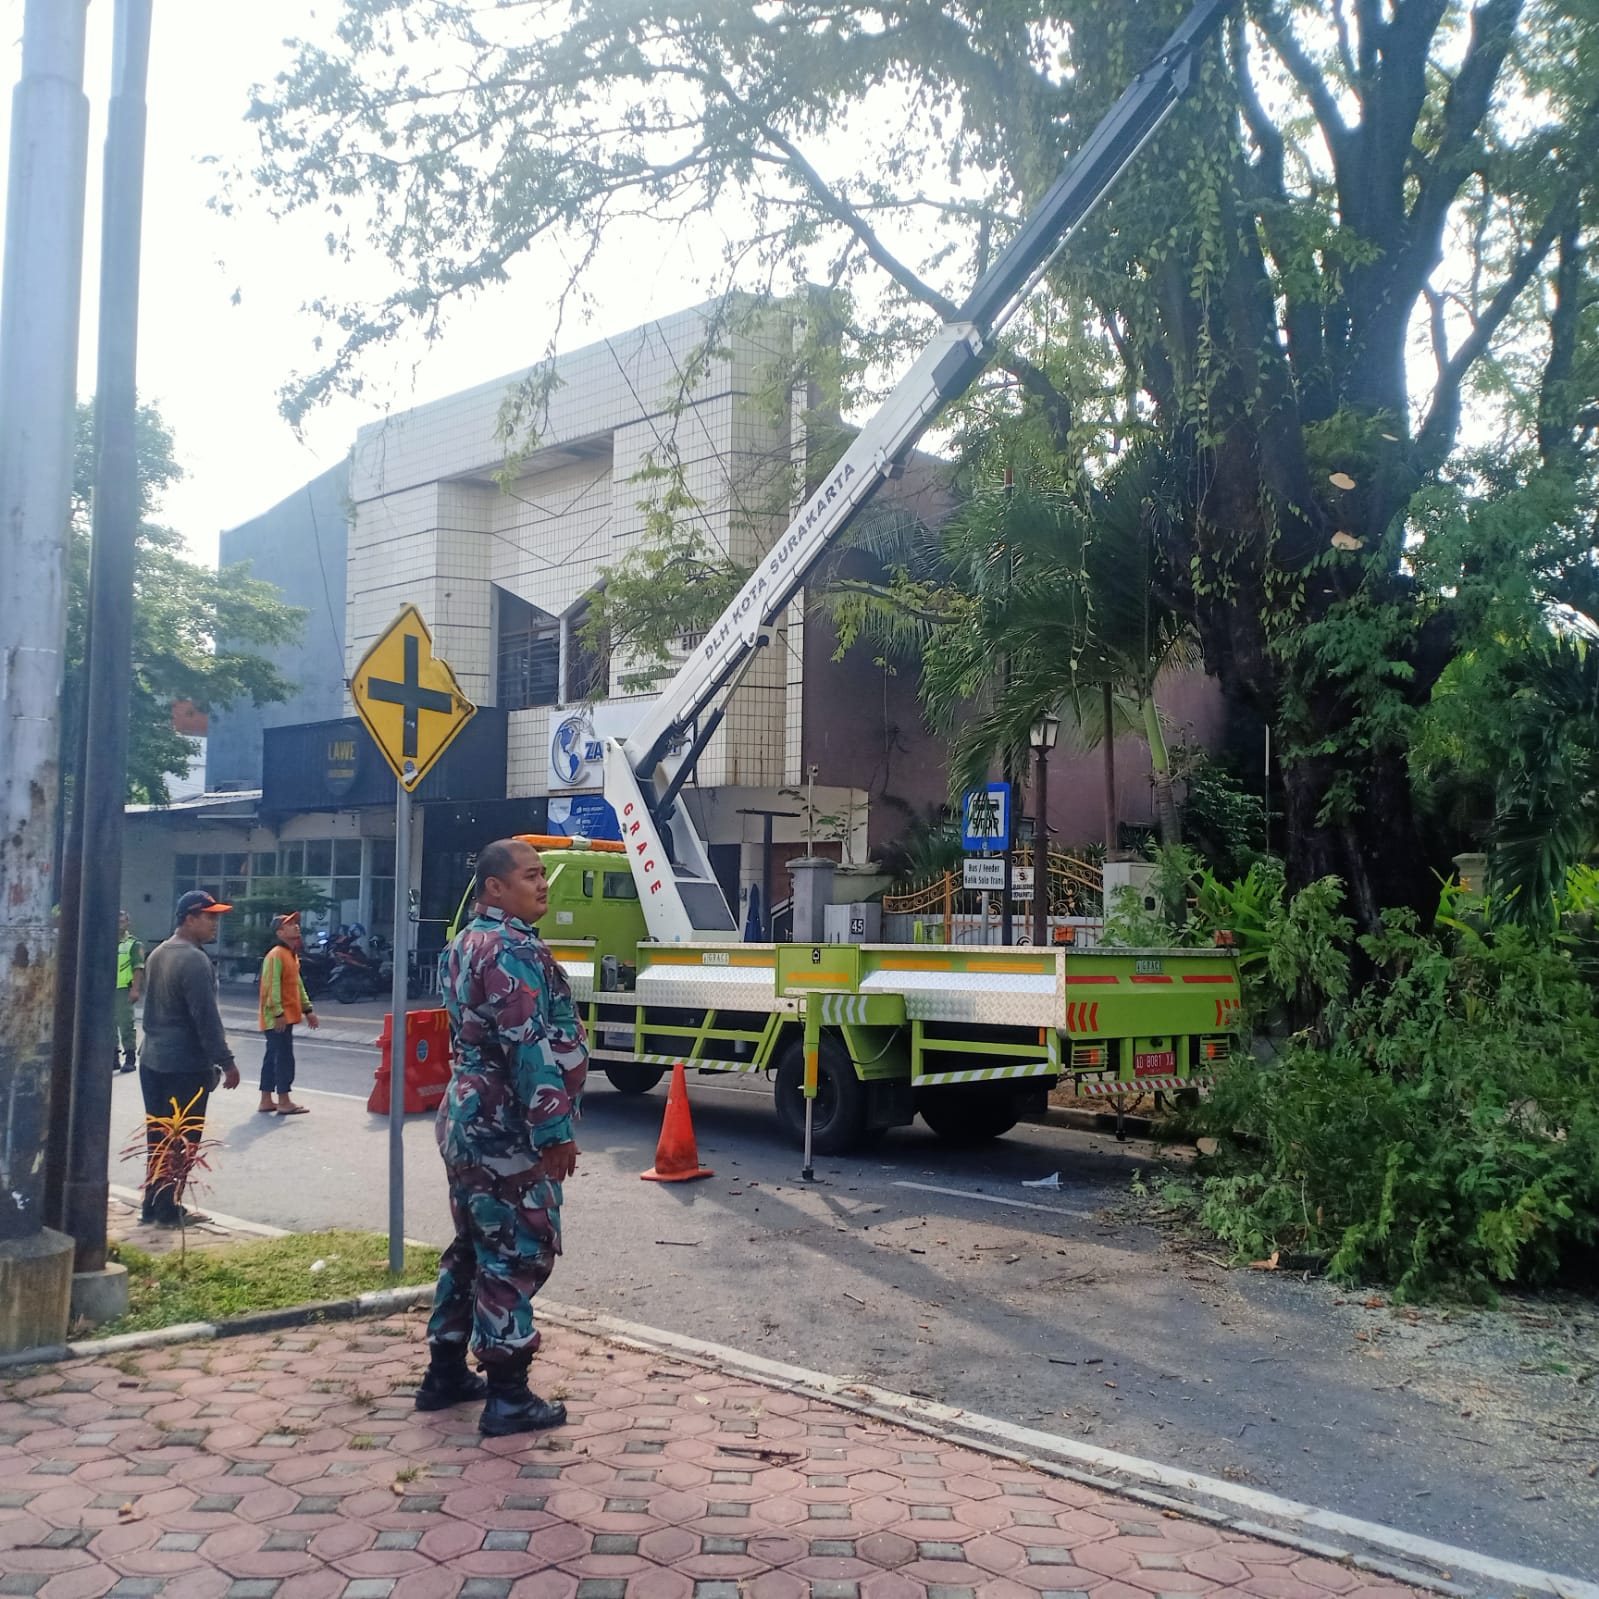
[1547,819]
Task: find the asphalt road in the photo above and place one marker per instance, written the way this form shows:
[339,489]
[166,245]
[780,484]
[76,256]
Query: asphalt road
[936,1272]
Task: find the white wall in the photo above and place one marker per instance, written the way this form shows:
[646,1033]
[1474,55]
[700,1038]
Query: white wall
[431,526]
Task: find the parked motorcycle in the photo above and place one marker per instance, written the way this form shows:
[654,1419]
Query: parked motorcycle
[316,969]
[357,975]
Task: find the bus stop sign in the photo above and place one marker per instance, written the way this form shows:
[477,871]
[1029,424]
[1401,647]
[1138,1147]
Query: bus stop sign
[985,818]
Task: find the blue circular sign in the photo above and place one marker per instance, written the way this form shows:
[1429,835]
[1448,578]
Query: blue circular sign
[572,748]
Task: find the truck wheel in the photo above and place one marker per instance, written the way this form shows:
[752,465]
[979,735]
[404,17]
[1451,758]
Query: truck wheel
[967,1116]
[634,1079]
[838,1121]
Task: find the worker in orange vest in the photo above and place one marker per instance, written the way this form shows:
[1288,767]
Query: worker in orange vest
[284,1004]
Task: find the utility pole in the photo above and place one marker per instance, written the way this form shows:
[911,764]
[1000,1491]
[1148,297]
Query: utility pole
[110,644]
[38,395]
[1112,831]
[1007,934]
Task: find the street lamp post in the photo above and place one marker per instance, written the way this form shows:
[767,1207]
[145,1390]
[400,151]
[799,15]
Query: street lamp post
[1045,731]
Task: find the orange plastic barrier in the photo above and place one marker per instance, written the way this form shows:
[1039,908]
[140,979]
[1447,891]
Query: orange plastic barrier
[427,1062]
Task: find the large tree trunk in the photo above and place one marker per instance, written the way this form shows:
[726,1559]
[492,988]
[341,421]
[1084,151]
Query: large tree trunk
[1379,855]
[1276,383]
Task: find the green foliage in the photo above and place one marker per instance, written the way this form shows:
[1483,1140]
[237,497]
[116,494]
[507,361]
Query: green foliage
[196,632]
[823,827]
[1444,1139]
[1330,198]
[1130,924]
[1220,818]
[269,897]
[1060,599]
[664,592]
[928,847]
[1292,949]
[1578,913]
[1548,817]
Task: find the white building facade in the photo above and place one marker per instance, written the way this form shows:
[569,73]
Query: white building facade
[503,552]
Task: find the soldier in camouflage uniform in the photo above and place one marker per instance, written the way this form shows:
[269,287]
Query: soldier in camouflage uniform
[505,1131]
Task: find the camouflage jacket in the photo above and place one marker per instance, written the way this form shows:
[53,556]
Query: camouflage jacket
[520,1053]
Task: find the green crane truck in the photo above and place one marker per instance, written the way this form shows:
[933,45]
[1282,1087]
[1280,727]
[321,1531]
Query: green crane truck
[969,1038]
[963,1037]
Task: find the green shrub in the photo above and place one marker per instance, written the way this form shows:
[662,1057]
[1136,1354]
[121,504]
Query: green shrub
[1292,951]
[1444,1139]
[1224,820]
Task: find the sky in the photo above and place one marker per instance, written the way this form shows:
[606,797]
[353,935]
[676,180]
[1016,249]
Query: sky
[214,366]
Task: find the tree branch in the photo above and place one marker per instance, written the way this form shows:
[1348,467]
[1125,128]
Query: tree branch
[1346,57]
[1038,383]
[1437,434]
[841,211]
[1310,79]
[1261,127]
[1368,17]
[1555,419]
[1493,27]
[1439,330]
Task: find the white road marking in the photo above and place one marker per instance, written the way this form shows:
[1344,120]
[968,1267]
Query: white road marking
[995,1199]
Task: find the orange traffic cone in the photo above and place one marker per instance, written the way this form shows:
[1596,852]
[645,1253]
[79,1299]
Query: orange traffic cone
[676,1158]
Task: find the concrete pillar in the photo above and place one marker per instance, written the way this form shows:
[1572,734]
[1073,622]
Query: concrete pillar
[1137,875]
[38,376]
[813,893]
[35,1291]
[100,1296]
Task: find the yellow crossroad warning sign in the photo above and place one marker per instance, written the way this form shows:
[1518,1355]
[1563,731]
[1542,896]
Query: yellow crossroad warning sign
[408,698]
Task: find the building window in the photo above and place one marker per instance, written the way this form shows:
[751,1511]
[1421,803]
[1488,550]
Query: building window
[345,884]
[227,875]
[588,666]
[528,670]
[381,875]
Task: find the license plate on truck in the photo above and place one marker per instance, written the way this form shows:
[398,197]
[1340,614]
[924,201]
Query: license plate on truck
[1155,1063]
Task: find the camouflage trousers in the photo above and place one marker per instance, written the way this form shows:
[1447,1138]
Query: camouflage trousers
[507,1235]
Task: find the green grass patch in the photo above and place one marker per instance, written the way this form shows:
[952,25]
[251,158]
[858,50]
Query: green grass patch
[264,1274]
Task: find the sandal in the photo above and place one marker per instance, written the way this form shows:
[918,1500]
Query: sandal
[294,1110]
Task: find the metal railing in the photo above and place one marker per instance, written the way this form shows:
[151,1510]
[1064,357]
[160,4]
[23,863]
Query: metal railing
[1076,888]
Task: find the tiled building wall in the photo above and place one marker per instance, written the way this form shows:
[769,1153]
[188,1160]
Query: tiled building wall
[433,526]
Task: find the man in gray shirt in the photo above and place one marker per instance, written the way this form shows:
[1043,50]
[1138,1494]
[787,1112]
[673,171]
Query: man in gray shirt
[186,1052]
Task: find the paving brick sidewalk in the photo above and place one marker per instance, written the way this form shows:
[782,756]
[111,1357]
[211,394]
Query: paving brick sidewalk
[294,1467]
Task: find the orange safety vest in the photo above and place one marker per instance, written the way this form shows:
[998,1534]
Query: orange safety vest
[282,992]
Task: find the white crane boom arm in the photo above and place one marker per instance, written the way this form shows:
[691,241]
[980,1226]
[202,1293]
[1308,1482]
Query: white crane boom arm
[644,773]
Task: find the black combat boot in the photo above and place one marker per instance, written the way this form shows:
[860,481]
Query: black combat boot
[448,1382]
[513,1407]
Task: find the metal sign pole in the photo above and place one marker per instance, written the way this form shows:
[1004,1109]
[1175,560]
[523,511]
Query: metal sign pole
[397,997]
[813,1049]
